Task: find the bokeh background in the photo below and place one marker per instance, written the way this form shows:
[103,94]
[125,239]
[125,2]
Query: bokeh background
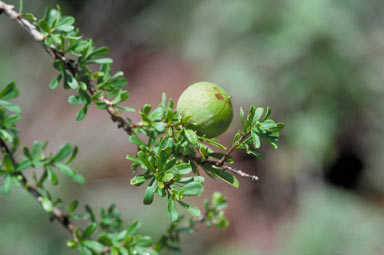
[318,63]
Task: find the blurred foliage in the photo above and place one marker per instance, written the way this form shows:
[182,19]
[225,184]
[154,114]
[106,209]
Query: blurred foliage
[334,222]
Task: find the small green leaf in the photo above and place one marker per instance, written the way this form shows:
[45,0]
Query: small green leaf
[70,81]
[258,113]
[193,189]
[82,112]
[255,139]
[242,118]
[115,251]
[218,201]
[182,169]
[136,140]
[85,250]
[133,228]
[93,245]
[11,120]
[63,152]
[140,179]
[193,210]
[223,175]
[145,162]
[90,213]
[6,185]
[191,136]
[105,240]
[55,81]
[167,177]
[52,15]
[250,115]
[36,149]
[72,206]
[65,24]
[99,52]
[73,155]
[23,164]
[9,91]
[71,244]
[76,100]
[52,177]
[122,96]
[47,204]
[150,192]
[89,230]
[7,161]
[101,61]
[10,106]
[132,158]
[267,114]
[214,143]
[268,124]
[144,241]
[44,26]
[5,135]
[70,173]
[29,16]
[127,109]
[171,208]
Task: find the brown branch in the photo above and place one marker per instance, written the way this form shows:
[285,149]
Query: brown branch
[234,146]
[70,64]
[239,172]
[200,161]
[13,15]
[56,214]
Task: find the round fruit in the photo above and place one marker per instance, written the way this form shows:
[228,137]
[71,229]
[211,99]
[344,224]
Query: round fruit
[209,106]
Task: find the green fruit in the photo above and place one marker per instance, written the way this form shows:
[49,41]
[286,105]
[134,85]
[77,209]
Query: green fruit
[209,106]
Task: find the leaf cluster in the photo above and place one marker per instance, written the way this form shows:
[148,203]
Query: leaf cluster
[170,159]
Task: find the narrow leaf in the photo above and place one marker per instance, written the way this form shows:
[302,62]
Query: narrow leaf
[55,81]
[101,61]
[47,204]
[172,211]
[255,139]
[89,230]
[133,228]
[150,192]
[223,175]
[52,177]
[191,136]
[10,106]
[6,185]
[193,210]
[193,189]
[93,245]
[9,91]
[63,152]
[70,81]
[70,173]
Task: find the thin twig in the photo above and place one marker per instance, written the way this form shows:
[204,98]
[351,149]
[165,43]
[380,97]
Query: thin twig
[239,172]
[230,150]
[31,29]
[200,161]
[70,64]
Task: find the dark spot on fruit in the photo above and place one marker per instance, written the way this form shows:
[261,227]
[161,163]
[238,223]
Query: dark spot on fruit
[219,97]
[215,88]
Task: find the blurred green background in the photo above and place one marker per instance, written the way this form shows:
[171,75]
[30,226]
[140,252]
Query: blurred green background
[318,63]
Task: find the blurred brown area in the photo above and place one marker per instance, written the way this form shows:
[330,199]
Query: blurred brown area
[317,63]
